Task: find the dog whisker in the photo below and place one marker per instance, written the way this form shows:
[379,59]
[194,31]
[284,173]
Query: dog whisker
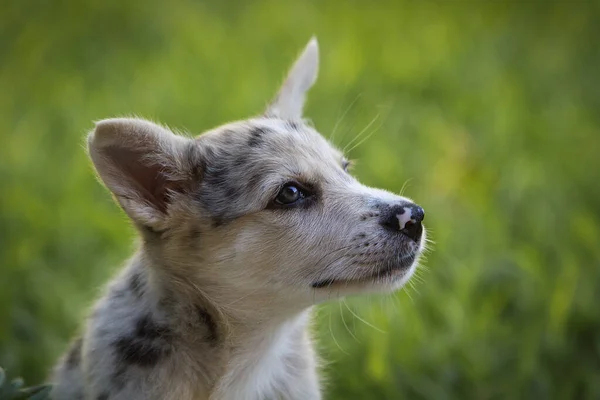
[344,322]
[358,136]
[362,320]
[331,137]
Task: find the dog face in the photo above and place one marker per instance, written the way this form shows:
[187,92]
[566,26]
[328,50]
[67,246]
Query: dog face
[264,205]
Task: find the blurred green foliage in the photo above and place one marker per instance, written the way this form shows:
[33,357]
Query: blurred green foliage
[12,389]
[489,110]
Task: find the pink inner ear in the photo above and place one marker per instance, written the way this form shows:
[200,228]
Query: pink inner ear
[146,179]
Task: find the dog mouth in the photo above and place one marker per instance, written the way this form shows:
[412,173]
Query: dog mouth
[392,269]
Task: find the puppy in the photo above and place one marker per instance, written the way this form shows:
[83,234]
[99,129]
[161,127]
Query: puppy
[243,229]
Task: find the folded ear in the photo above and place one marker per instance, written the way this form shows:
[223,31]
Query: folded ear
[289,101]
[144,165]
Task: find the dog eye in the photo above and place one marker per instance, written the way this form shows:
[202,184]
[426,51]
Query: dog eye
[289,194]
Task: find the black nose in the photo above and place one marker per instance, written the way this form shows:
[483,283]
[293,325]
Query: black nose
[405,218]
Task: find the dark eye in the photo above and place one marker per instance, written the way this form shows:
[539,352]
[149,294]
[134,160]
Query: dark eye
[289,194]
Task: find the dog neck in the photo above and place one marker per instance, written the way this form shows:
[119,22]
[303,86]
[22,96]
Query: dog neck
[256,342]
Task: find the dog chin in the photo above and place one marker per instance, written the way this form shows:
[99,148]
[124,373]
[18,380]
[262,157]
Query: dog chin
[388,277]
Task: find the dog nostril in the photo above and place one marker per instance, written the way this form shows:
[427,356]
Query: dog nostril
[413,230]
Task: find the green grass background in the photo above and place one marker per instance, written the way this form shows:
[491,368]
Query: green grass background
[490,111]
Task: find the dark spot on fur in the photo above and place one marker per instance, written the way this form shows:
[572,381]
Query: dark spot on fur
[166,303]
[218,192]
[232,192]
[218,221]
[118,293]
[224,154]
[256,136]
[361,235]
[208,321]
[293,125]
[210,152]
[323,283]
[147,345]
[118,377]
[136,285]
[149,233]
[195,233]
[216,174]
[254,141]
[222,194]
[74,355]
[240,161]
[254,181]
[192,153]
[103,396]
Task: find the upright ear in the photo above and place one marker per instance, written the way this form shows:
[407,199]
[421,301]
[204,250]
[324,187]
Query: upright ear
[144,165]
[289,101]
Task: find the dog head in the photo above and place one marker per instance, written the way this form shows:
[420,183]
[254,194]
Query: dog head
[265,205]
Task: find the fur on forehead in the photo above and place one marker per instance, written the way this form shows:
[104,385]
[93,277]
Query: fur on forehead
[253,134]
